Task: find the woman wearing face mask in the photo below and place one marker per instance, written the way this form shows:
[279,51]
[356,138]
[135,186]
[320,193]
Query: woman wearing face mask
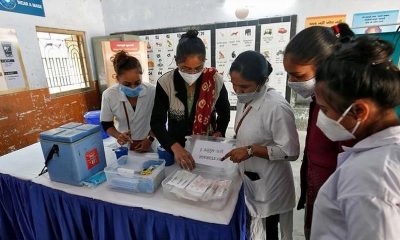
[129,102]
[357,90]
[303,55]
[187,97]
[267,139]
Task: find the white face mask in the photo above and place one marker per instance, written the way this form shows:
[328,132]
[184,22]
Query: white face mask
[248,97]
[305,89]
[190,78]
[333,129]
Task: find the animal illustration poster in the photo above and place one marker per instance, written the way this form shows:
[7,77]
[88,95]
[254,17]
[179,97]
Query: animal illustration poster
[229,43]
[274,38]
[161,50]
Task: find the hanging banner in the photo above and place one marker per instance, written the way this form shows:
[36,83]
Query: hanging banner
[29,7]
[136,49]
[373,22]
[11,74]
[325,21]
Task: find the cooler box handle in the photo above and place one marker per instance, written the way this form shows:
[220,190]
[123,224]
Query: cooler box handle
[54,150]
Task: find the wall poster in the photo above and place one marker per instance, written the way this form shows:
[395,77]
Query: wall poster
[30,7]
[12,76]
[325,21]
[274,38]
[136,49]
[372,22]
[161,50]
[229,43]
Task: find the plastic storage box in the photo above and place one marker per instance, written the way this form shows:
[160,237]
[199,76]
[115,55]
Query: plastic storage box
[205,186]
[132,174]
[76,151]
[93,117]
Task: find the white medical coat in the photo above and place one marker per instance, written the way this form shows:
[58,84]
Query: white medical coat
[269,123]
[361,199]
[139,119]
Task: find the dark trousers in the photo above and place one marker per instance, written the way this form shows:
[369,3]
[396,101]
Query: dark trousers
[271,223]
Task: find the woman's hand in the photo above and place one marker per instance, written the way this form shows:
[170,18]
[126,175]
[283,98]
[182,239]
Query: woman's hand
[124,138]
[143,146]
[237,155]
[183,157]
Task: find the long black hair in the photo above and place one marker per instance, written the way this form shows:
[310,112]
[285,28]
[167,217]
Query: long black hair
[361,68]
[314,44]
[252,66]
[190,44]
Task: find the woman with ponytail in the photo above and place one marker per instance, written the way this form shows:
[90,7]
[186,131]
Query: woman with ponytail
[303,55]
[357,90]
[192,99]
[129,103]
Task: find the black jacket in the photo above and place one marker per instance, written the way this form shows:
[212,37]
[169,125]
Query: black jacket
[181,125]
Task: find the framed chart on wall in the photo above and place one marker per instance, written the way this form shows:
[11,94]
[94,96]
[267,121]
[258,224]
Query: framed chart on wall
[269,36]
[229,43]
[273,39]
[224,41]
[161,50]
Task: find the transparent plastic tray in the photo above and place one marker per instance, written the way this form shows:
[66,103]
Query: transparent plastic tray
[205,186]
[125,174]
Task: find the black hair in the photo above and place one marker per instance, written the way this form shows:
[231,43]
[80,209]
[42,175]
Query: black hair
[190,44]
[122,62]
[314,44]
[252,66]
[361,68]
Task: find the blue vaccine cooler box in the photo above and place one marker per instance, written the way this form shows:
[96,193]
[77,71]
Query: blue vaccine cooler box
[76,152]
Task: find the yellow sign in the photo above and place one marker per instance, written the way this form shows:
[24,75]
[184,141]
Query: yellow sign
[325,21]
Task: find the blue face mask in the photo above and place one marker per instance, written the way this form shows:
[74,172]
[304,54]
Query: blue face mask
[131,92]
[95,180]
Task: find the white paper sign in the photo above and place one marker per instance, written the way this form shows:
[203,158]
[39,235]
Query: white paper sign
[209,152]
[11,75]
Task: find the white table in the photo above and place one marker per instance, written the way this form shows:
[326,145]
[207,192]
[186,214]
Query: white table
[26,164]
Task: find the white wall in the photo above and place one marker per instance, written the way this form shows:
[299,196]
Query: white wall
[87,15]
[122,16]
[81,15]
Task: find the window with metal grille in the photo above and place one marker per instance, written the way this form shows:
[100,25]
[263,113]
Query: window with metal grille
[64,59]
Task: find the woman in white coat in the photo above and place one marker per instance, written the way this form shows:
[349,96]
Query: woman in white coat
[358,89]
[267,140]
[129,102]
